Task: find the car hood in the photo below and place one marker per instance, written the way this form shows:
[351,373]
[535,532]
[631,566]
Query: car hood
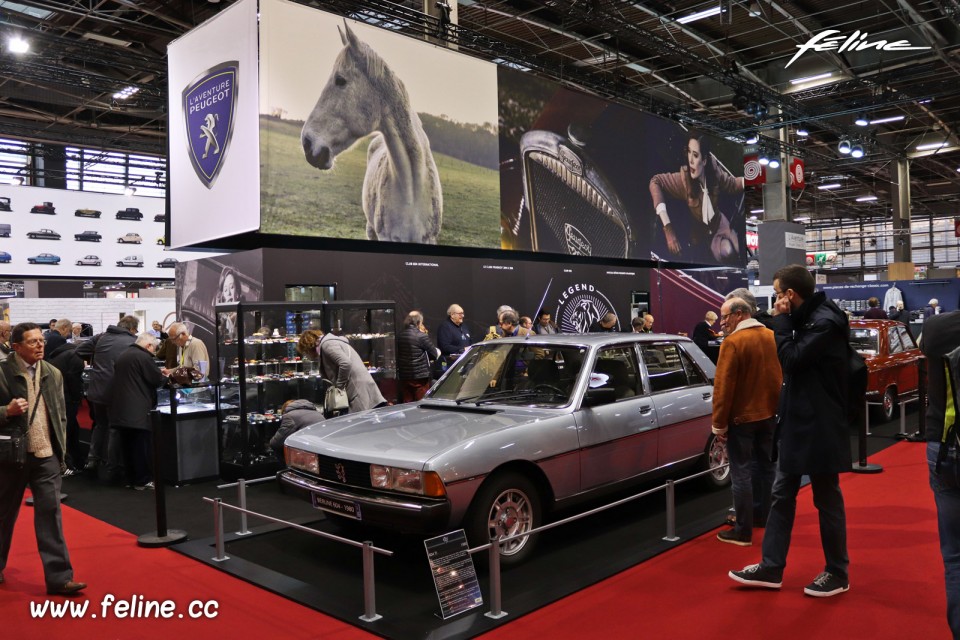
[410,434]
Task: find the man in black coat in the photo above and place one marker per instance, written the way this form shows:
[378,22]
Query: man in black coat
[453,336]
[102,352]
[812,433]
[415,352]
[63,355]
[136,378]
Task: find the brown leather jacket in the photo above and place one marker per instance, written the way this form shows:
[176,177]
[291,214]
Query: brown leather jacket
[748,378]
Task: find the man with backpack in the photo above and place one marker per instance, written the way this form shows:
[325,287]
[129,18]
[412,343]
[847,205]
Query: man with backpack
[812,434]
[940,342]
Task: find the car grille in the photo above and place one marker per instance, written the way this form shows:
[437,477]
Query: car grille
[357,474]
[569,214]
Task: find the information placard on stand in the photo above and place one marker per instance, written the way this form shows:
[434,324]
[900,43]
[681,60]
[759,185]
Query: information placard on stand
[453,574]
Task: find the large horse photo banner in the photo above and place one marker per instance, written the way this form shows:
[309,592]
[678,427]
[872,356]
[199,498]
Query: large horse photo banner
[365,134]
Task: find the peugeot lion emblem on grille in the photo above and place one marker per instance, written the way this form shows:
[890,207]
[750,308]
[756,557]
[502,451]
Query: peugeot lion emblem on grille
[573,208]
[341,472]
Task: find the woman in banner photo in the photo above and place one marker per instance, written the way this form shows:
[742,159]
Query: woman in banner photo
[699,183]
[228,290]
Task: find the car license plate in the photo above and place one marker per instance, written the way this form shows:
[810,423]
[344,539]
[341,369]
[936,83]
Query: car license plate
[340,507]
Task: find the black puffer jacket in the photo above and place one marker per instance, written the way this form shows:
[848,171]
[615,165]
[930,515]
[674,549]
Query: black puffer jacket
[812,428]
[415,351]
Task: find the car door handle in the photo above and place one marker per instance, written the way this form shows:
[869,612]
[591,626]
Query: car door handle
[707,396]
[645,409]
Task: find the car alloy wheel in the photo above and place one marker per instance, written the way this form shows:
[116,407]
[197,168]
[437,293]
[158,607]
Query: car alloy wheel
[888,405]
[719,475]
[507,504]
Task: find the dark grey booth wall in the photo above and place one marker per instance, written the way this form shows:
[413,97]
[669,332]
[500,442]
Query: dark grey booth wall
[575,293]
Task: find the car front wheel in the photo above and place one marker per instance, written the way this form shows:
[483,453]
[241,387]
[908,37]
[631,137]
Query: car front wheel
[507,504]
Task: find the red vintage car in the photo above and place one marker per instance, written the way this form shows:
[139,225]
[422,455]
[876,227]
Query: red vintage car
[891,354]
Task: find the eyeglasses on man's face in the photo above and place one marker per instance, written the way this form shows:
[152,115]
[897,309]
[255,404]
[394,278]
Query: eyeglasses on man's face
[34,342]
[724,316]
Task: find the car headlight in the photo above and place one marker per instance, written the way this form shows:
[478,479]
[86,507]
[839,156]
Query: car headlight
[424,483]
[300,459]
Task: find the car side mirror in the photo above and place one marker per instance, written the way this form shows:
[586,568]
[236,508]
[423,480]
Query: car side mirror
[597,397]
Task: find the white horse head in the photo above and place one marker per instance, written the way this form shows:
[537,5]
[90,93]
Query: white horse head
[401,195]
[350,104]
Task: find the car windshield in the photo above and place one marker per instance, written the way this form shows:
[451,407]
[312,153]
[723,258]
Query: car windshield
[865,341]
[524,374]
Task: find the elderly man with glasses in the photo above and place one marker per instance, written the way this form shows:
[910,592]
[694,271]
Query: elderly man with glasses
[745,396]
[453,336]
[191,350]
[31,403]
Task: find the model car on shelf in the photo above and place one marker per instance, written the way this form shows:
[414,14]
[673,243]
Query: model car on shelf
[89,261]
[88,236]
[5,230]
[160,217]
[46,207]
[130,238]
[44,258]
[5,204]
[130,213]
[167,263]
[87,213]
[43,234]
[131,261]
[162,240]
[5,257]
[515,429]
[891,355]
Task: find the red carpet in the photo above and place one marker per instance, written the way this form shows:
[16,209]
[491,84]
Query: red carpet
[896,577]
[112,563]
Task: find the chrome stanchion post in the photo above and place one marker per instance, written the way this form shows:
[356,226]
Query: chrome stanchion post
[369,586]
[495,593]
[242,498]
[671,514]
[218,530]
[866,417]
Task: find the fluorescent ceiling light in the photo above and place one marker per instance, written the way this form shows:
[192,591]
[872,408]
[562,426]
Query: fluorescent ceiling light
[931,145]
[886,120]
[18,7]
[832,185]
[699,15]
[804,219]
[819,76]
[637,67]
[16,44]
[117,42]
[866,198]
[756,210]
[125,93]
[802,131]
[943,183]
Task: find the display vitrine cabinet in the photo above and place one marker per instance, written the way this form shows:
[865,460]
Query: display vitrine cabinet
[188,421]
[259,369]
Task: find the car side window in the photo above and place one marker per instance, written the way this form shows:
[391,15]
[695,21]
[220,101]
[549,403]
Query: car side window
[616,368]
[893,337]
[665,366]
[694,375]
[906,339]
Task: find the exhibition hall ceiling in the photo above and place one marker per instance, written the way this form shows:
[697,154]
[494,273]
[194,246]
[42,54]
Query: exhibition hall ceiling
[895,61]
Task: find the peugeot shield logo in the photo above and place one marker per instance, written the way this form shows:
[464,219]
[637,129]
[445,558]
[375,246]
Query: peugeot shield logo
[209,107]
[341,472]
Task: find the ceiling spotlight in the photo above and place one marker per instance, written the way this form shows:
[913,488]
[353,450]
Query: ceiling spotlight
[844,146]
[802,130]
[740,101]
[763,159]
[18,180]
[774,163]
[17,44]
[754,138]
[873,242]
[856,150]
[751,108]
[129,190]
[761,111]
[862,120]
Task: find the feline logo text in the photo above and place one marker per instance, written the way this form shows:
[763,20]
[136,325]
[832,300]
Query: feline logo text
[856,41]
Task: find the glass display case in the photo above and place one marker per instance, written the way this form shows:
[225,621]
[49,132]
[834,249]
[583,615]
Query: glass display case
[188,432]
[258,369]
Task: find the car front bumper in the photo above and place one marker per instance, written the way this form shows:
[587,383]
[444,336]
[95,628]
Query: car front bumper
[400,512]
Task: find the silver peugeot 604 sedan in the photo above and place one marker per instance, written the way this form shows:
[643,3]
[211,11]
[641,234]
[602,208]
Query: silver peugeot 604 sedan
[515,428]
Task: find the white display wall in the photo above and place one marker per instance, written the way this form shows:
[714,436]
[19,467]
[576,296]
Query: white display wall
[71,251]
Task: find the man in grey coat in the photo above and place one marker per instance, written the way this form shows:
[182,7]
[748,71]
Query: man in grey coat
[102,352]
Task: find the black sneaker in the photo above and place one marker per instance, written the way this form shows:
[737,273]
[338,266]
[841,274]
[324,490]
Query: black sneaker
[731,536]
[825,585]
[756,576]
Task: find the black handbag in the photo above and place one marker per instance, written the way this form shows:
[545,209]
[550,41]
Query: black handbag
[13,450]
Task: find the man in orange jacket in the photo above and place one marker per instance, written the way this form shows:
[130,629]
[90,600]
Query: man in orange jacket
[745,396]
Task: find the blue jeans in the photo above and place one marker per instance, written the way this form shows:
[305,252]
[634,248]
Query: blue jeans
[833,521]
[947,496]
[750,447]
